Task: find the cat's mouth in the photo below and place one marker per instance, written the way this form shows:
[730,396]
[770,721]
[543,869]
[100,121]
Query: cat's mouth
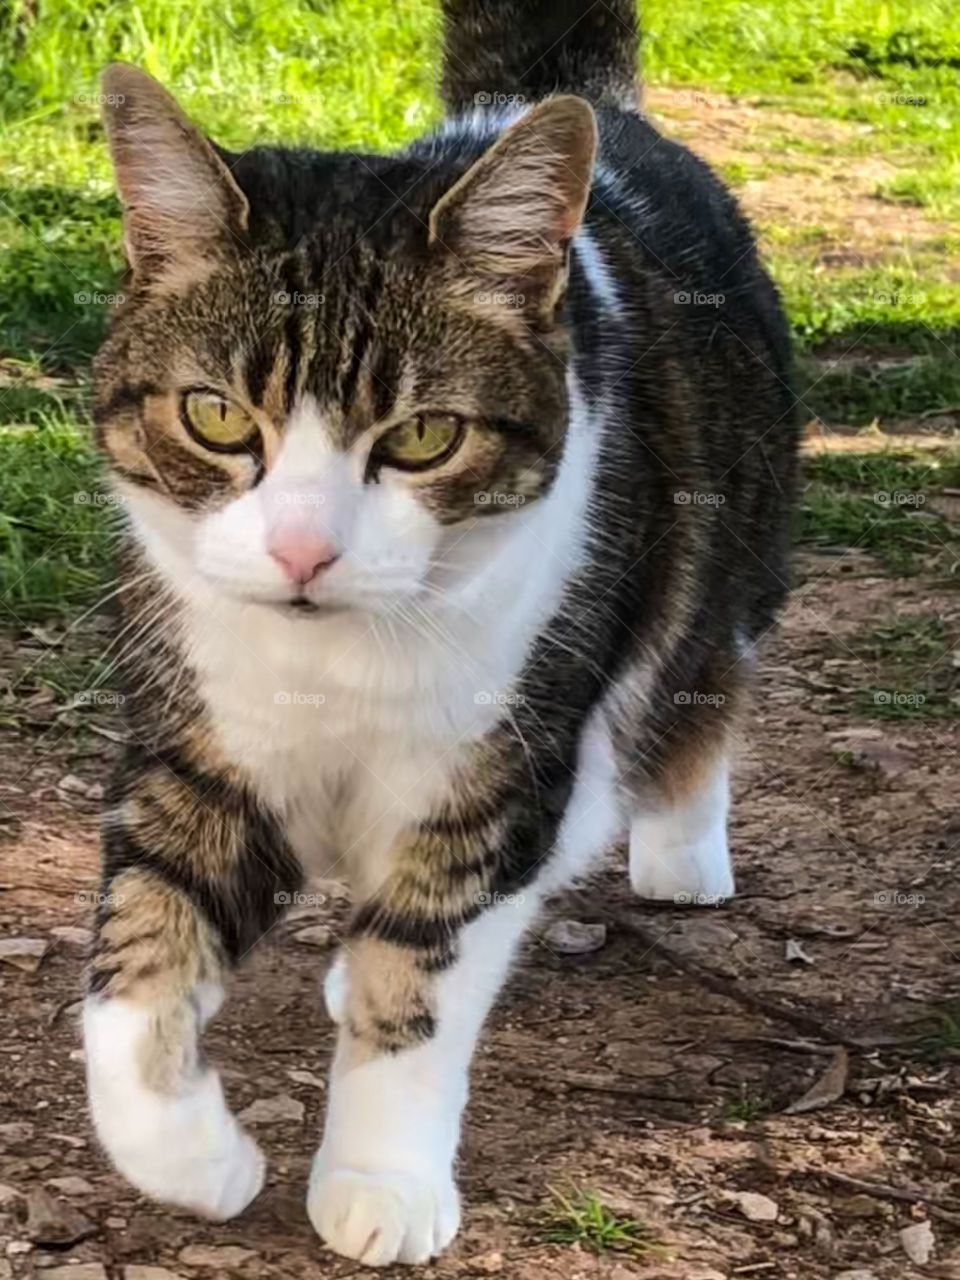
[301,606]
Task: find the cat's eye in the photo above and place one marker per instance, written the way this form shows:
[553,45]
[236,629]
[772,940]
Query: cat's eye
[217,423]
[424,441]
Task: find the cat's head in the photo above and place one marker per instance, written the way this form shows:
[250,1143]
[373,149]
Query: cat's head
[330,368]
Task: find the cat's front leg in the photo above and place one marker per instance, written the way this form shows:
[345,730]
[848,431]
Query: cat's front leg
[382,1188]
[192,877]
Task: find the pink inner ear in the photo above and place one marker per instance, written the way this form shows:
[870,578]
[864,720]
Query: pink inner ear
[179,196]
[512,213]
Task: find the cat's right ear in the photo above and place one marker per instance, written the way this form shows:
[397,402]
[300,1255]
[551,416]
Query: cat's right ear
[179,198]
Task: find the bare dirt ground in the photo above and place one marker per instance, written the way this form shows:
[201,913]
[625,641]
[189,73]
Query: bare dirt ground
[658,1071]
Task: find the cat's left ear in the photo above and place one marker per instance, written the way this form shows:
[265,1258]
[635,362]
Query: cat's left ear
[180,200]
[507,224]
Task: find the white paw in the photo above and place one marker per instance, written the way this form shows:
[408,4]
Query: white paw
[188,1151]
[696,872]
[335,989]
[690,876]
[680,854]
[182,1147]
[379,1218]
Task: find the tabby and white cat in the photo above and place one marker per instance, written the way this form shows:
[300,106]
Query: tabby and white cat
[457,488]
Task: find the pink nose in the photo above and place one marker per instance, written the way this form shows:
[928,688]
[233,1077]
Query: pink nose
[301,558]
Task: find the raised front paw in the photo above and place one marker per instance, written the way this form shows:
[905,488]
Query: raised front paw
[379,1218]
[187,1151]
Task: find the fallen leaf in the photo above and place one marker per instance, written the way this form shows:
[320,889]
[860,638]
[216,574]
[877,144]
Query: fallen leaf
[794,952]
[918,1242]
[315,935]
[754,1206]
[53,1222]
[23,953]
[272,1110]
[218,1256]
[574,938]
[830,1087]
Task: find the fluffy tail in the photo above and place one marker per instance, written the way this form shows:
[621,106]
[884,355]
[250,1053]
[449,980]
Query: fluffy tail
[496,50]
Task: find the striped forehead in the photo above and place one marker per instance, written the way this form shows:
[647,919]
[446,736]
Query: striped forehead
[328,346]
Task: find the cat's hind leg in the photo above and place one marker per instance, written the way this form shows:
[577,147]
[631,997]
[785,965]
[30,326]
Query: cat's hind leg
[679,851]
[674,769]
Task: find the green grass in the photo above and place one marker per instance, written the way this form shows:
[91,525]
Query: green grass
[362,74]
[940,1039]
[884,503]
[54,532]
[747,1107]
[914,676]
[902,669]
[581,1217]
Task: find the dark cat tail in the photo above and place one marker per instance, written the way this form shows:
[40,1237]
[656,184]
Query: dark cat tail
[510,51]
